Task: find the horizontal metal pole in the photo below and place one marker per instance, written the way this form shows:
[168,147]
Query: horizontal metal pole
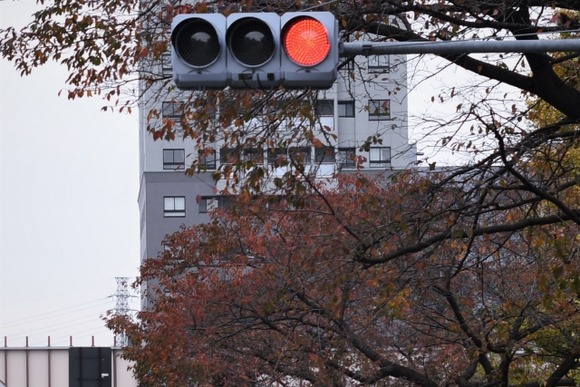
[458,47]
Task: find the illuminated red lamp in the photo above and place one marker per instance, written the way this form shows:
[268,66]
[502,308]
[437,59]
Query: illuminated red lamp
[310,47]
[305,41]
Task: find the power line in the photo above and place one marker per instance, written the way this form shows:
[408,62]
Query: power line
[54,313]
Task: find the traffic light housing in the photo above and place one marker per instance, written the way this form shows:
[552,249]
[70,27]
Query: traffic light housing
[255,50]
[198,55]
[310,49]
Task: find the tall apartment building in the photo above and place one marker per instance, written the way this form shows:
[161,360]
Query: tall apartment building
[351,109]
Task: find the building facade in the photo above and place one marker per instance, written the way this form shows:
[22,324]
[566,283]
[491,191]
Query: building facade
[68,366]
[352,111]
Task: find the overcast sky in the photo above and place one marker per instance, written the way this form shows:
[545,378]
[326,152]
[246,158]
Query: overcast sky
[69,220]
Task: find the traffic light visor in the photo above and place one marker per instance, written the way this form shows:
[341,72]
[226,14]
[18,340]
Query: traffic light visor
[305,41]
[196,42]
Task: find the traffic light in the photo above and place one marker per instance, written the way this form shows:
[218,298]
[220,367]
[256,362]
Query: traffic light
[255,50]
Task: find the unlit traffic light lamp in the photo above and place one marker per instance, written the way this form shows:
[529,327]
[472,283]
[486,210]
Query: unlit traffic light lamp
[255,50]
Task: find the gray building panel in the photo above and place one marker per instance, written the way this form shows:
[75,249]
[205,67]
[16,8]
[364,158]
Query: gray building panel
[159,185]
[155,186]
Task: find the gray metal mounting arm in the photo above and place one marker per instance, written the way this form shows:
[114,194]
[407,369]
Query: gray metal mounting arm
[458,47]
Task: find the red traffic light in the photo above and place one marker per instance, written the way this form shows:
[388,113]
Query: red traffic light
[305,41]
[260,50]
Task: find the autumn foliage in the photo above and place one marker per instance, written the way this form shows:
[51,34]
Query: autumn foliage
[369,282]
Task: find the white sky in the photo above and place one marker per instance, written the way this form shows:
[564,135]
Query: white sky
[69,220]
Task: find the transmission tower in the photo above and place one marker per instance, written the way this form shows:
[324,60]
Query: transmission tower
[122,297]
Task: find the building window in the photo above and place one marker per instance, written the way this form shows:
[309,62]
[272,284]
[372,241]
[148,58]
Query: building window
[172,109]
[301,154]
[325,107]
[277,156]
[166,66]
[325,154]
[345,108]
[206,159]
[347,157]
[174,206]
[228,108]
[209,203]
[229,156]
[255,155]
[173,159]
[379,63]
[379,109]
[380,157]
